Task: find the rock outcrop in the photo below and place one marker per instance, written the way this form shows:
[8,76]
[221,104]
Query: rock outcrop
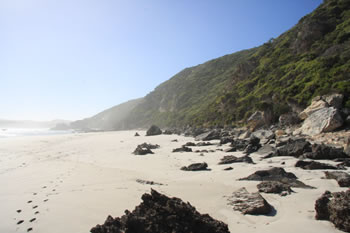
[274,187]
[322,120]
[182,149]
[259,119]
[322,151]
[228,159]
[161,214]
[313,165]
[316,104]
[334,207]
[249,203]
[153,130]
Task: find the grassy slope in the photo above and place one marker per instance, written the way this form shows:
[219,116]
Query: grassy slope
[310,59]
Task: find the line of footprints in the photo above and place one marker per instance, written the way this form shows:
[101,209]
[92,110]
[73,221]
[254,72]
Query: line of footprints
[35,207]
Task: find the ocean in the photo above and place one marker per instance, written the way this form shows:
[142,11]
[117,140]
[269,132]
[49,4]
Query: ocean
[25,132]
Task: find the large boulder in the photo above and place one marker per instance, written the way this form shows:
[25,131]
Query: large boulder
[322,151]
[211,135]
[315,105]
[249,203]
[334,207]
[161,214]
[228,159]
[153,130]
[322,120]
[342,178]
[293,147]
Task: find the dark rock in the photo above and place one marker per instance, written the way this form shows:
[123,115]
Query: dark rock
[228,159]
[289,119]
[225,140]
[322,151]
[182,149]
[147,182]
[137,134]
[149,146]
[277,174]
[190,144]
[294,147]
[249,203]
[228,168]
[153,130]
[313,165]
[211,135]
[168,132]
[274,187]
[201,151]
[142,150]
[161,214]
[253,145]
[195,167]
[334,100]
[175,140]
[342,178]
[335,207]
[239,144]
[204,144]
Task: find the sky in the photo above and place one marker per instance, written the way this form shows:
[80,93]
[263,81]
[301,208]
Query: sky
[70,59]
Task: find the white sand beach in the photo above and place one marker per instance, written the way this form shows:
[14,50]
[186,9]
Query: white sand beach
[69,183]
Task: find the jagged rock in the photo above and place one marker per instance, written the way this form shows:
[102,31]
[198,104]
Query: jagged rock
[289,119]
[342,178]
[313,165]
[274,187]
[228,159]
[211,135]
[249,203]
[149,145]
[239,144]
[259,119]
[137,134]
[253,145]
[264,136]
[322,151]
[153,130]
[322,120]
[147,182]
[315,105]
[294,148]
[277,174]
[161,214]
[334,207]
[182,149]
[143,149]
[195,167]
[334,100]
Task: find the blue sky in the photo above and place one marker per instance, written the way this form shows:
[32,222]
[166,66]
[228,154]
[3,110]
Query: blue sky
[70,59]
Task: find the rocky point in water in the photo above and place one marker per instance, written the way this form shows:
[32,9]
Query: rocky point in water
[161,214]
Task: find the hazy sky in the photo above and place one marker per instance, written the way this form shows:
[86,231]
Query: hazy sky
[71,59]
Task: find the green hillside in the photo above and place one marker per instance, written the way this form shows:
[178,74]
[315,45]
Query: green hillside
[310,59]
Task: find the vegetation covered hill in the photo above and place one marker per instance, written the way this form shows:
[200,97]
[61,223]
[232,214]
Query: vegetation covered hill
[310,59]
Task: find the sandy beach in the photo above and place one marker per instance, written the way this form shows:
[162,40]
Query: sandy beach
[70,183]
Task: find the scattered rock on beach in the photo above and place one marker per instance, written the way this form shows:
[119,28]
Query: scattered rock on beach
[322,151]
[153,130]
[228,159]
[147,182]
[211,135]
[334,207]
[161,214]
[313,165]
[274,187]
[342,178]
[293,147]
[195,167]
[137,134]
[277,174]
[182,149]
[249,203]
[143,149]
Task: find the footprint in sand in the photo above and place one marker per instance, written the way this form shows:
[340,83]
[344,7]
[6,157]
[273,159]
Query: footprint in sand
[44,187]
[29,201]
[20,222]
[36,212]
[18,211]
[34,207]
[29,229]
[34,194]
[32,220]
[46,200]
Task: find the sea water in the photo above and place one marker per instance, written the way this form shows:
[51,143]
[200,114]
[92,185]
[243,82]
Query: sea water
[24,132]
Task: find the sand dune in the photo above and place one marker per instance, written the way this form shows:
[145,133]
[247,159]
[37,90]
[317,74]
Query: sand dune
[70,183]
